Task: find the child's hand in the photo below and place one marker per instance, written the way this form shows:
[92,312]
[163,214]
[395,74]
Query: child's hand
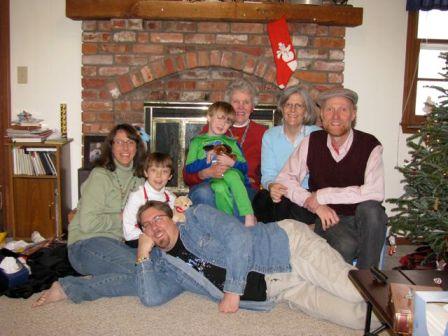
[229,303]
[226,160]
[209,157]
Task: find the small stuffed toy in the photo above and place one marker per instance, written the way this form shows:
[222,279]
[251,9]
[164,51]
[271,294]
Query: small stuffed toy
[214,150]
[181,204]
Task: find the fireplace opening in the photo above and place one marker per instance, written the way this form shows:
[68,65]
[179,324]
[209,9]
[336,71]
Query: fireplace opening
[172,125]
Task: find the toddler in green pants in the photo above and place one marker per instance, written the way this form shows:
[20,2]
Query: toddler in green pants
[232,185]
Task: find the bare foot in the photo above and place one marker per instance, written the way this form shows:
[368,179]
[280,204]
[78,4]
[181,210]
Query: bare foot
[53,294]
[229,303]
[250,220]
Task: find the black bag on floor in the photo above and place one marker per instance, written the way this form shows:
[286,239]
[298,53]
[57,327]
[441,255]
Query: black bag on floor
[47,265]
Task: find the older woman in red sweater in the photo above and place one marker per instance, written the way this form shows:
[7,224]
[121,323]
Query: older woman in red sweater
[242,95]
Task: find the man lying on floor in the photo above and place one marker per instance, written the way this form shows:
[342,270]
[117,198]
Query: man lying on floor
[212,254]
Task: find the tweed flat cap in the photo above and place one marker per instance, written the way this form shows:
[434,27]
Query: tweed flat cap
[347,93]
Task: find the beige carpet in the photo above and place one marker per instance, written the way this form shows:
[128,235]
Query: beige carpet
[186,315]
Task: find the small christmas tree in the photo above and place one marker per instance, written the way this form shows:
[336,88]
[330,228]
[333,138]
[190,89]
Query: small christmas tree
[422,211]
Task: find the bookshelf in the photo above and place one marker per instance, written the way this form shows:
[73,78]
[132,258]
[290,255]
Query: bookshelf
[40,184]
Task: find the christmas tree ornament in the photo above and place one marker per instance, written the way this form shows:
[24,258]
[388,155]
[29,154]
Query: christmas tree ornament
[283,50]
[436,204]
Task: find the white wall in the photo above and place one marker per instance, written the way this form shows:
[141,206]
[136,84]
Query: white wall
[43,39]
[49,44]
[374,67]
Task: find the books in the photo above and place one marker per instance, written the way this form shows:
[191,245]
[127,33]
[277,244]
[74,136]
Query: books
[16,139]
[31,123]
[57,141]
[25,127]
[34,161]
[23,135]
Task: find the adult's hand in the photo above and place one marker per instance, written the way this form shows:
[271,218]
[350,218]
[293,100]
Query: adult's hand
[327,216]
[230,303]
[277,191]
[216,171]
[145,245]
[311,203]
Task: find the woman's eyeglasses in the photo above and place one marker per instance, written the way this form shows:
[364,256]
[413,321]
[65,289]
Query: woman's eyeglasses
[123,143]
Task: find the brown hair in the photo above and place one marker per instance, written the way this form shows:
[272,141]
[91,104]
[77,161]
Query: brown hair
[106,159]
[159,160]
[162,206]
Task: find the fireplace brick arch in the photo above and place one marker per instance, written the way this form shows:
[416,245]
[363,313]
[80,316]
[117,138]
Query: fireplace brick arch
[126,62]
[168,65]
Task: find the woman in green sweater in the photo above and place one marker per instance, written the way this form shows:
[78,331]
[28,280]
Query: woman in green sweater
[95,235]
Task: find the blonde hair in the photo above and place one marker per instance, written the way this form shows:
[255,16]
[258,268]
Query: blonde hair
[223,107]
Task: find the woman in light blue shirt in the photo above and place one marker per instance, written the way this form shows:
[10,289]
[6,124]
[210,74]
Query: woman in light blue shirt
[299,114]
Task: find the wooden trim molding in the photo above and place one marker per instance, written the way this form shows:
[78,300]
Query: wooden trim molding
[410,123]
[5,108]
[347,16]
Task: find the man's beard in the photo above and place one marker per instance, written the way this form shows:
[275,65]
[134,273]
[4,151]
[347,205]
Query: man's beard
[336,131]
[163,242]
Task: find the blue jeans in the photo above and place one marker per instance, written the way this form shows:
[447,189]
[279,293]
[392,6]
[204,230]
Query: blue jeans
[109,264]
[360,236]
[203,194]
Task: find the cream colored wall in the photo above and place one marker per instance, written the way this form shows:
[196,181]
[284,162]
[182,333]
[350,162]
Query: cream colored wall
[50,45]
[374,67]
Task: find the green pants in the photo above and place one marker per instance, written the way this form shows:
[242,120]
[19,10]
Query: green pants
[230,188]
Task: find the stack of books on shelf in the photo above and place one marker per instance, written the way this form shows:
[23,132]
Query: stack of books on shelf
[34,161]
[38,135]
[28,129]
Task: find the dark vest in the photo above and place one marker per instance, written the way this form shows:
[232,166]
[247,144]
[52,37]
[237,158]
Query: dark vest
[326,172]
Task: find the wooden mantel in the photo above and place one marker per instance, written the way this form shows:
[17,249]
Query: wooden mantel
[213,11]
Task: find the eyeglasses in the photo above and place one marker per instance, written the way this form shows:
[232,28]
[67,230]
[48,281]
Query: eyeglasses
[123,143]
[156,220]
[290,106]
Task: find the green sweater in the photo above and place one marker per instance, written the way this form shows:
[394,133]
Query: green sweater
[101,203]
[197,156]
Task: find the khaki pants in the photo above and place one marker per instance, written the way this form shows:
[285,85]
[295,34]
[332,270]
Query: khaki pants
[318,284]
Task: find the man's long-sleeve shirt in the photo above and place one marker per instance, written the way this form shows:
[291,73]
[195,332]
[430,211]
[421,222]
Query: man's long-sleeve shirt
[296,169]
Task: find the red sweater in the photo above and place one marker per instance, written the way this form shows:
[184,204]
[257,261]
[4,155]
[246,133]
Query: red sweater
[251,150]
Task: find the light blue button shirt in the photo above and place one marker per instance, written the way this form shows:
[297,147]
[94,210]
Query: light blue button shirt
[276,149]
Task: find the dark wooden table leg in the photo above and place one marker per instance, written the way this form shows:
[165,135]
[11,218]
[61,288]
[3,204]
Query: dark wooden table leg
[368,317]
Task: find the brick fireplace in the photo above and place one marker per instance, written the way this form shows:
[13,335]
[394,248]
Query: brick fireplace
[127,62]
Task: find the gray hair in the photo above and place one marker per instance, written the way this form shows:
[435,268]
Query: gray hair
[310,106]
[241,85]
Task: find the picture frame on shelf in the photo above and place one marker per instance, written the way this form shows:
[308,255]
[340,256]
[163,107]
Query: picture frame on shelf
[92,149]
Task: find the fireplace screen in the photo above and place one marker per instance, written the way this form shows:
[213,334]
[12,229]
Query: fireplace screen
[173,125]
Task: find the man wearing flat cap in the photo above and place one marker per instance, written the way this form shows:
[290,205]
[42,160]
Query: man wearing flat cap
[346,181]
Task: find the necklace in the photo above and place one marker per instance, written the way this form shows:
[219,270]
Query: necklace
[243,138]
[123,194]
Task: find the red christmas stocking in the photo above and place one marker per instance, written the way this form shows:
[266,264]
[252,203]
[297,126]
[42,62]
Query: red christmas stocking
[284,54]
